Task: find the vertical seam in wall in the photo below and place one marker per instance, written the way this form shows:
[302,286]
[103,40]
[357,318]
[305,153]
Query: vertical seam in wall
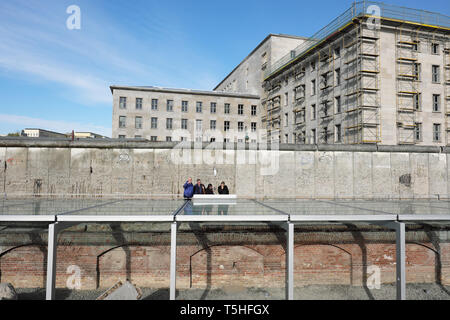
[353,175]
[429,175]
[132,171]
[371,175]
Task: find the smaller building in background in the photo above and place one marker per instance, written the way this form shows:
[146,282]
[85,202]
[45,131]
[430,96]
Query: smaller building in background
[41,133]
[86,135]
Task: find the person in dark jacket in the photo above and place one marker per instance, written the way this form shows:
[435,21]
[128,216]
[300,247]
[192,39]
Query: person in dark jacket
[209,189]
[199,187]
[223,189]
[188,189]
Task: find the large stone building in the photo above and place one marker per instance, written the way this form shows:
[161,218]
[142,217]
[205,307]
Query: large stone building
[359,80]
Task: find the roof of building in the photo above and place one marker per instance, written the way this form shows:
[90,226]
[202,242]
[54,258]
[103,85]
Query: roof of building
[44,130]
[256,48]
[185,91]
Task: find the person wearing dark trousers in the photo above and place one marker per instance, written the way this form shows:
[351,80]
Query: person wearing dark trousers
[188,189]
[223,189]
[199,187]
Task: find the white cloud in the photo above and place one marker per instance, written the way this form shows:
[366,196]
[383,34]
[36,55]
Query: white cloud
[53,125]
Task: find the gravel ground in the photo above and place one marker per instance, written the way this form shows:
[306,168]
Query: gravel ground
[313,292]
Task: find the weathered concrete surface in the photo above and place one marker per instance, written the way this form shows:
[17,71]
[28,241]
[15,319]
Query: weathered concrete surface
[61,167]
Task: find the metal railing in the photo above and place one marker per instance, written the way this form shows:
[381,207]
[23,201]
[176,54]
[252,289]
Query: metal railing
[359,9]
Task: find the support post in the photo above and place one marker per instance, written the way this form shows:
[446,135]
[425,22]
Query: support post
[290,261]
[173,260]
[400,261]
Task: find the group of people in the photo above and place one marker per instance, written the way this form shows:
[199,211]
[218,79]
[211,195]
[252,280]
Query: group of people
[199,188]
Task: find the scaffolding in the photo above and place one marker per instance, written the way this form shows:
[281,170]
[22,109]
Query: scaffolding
[447,89]
[362,101]
[407,77]
[272,118]
[326,91]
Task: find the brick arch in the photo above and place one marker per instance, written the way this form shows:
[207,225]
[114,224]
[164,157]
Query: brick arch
[421,260]
[228,266]
[24,266]
[321,264]
[111,266]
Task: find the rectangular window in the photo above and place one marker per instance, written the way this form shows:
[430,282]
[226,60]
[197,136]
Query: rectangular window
[417,71]
[154,123]
[436,102]
[418,131]
[253,110]
[169,105]
[338,106]
[313,136]
[198,125]
[435,48]
[313,87]
[184,106]
[436,132]
[198,107]
[169,139]
[240,109]
[122,122]
[138,103]
[286,138]
[417,101]
[137,136]
[313,65]
[253,126]
[292,54]
[184,123]
[286,119]
[313,112]
[213,107]
[169,122]
[138,123]
[121,136]
[338,133]
[226,109]
[154,104]
[122,102]
[338,76]
[435,74]
[153,138]
[337,52]
[240,126]
[212,124]
[226,125]
[286,98]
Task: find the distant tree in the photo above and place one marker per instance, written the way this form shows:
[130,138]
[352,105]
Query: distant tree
[14,134]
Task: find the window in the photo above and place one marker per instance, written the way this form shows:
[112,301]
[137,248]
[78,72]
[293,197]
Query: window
[198,125]
[138,123]
[122,121]
[313,65]
[313,112]
[435,48]
[240,126]
[122,102]
[226,125]
[337,52]
[226,140]
[338,106]
[154,123]
[286,138]
[213,107]
[198,107]
[338,76]
[436,132]
[313,136]
[137,136]
[417,102]
[198,139]
[253,110]
[325,135]
[212,124]
[226,108]
[286,119]
[139,103]
[184,106]
[169,139]
[292,54]
[436,102]
[337,133]
[313,87]
[154,104]
[286,98]
[240,109]
[417,71]
[153,138]
[435,74]
[169,105]
[418,131]
[212,140]
[183,139]
[169,122]
[121,136]
[184,123]
[253,126]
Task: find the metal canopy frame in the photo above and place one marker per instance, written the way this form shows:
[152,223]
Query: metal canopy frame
[287,221]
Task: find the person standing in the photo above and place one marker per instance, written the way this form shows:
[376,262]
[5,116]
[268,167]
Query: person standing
[209,189]
[188,189]
[199,187]
[223,189]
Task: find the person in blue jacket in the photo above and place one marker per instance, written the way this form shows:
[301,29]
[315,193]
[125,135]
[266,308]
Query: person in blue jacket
[188,189]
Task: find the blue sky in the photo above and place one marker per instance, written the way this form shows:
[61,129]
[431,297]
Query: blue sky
[58,79]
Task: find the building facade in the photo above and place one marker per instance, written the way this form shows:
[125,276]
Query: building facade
[162,114]
[363,80]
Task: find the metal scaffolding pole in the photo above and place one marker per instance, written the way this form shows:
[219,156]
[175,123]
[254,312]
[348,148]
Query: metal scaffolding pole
[173,260]
[400,260]
[290,261]
[51,261]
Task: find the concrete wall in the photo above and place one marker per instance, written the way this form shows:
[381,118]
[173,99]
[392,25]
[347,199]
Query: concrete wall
[30,166]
